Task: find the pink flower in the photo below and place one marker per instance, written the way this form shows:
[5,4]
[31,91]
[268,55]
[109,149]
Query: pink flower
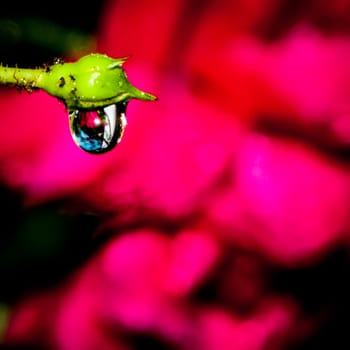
[233,172]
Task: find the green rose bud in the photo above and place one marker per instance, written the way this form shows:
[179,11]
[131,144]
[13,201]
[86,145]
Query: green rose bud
[93,81]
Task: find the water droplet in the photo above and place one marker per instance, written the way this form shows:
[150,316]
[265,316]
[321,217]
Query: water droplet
[98,131]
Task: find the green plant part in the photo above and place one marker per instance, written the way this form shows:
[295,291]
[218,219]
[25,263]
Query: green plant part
[95,91]
[93,81]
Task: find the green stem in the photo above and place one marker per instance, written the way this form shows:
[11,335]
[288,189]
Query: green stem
[25,78]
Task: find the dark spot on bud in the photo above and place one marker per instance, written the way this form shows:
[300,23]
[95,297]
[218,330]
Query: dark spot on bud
[62,82]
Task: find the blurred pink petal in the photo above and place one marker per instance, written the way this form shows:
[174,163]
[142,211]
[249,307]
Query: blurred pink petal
[220,330]
[32,321]
[143,29]
[287,201]
[193,256]
[302,80]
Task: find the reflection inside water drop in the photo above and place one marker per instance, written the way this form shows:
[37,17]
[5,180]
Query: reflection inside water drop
[98,131]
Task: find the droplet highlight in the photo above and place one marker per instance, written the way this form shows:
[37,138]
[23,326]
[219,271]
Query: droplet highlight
[98,131]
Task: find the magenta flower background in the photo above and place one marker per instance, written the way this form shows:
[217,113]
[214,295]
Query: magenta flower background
[238,174]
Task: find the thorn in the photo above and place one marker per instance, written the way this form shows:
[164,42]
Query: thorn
[118,62]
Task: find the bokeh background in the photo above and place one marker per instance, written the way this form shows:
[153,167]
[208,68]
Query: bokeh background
[222,219]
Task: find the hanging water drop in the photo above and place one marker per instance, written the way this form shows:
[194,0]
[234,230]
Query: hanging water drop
[98,131]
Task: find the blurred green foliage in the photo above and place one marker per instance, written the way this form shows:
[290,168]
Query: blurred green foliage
[35,32]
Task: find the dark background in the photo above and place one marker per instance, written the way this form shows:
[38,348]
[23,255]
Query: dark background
[33,32]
